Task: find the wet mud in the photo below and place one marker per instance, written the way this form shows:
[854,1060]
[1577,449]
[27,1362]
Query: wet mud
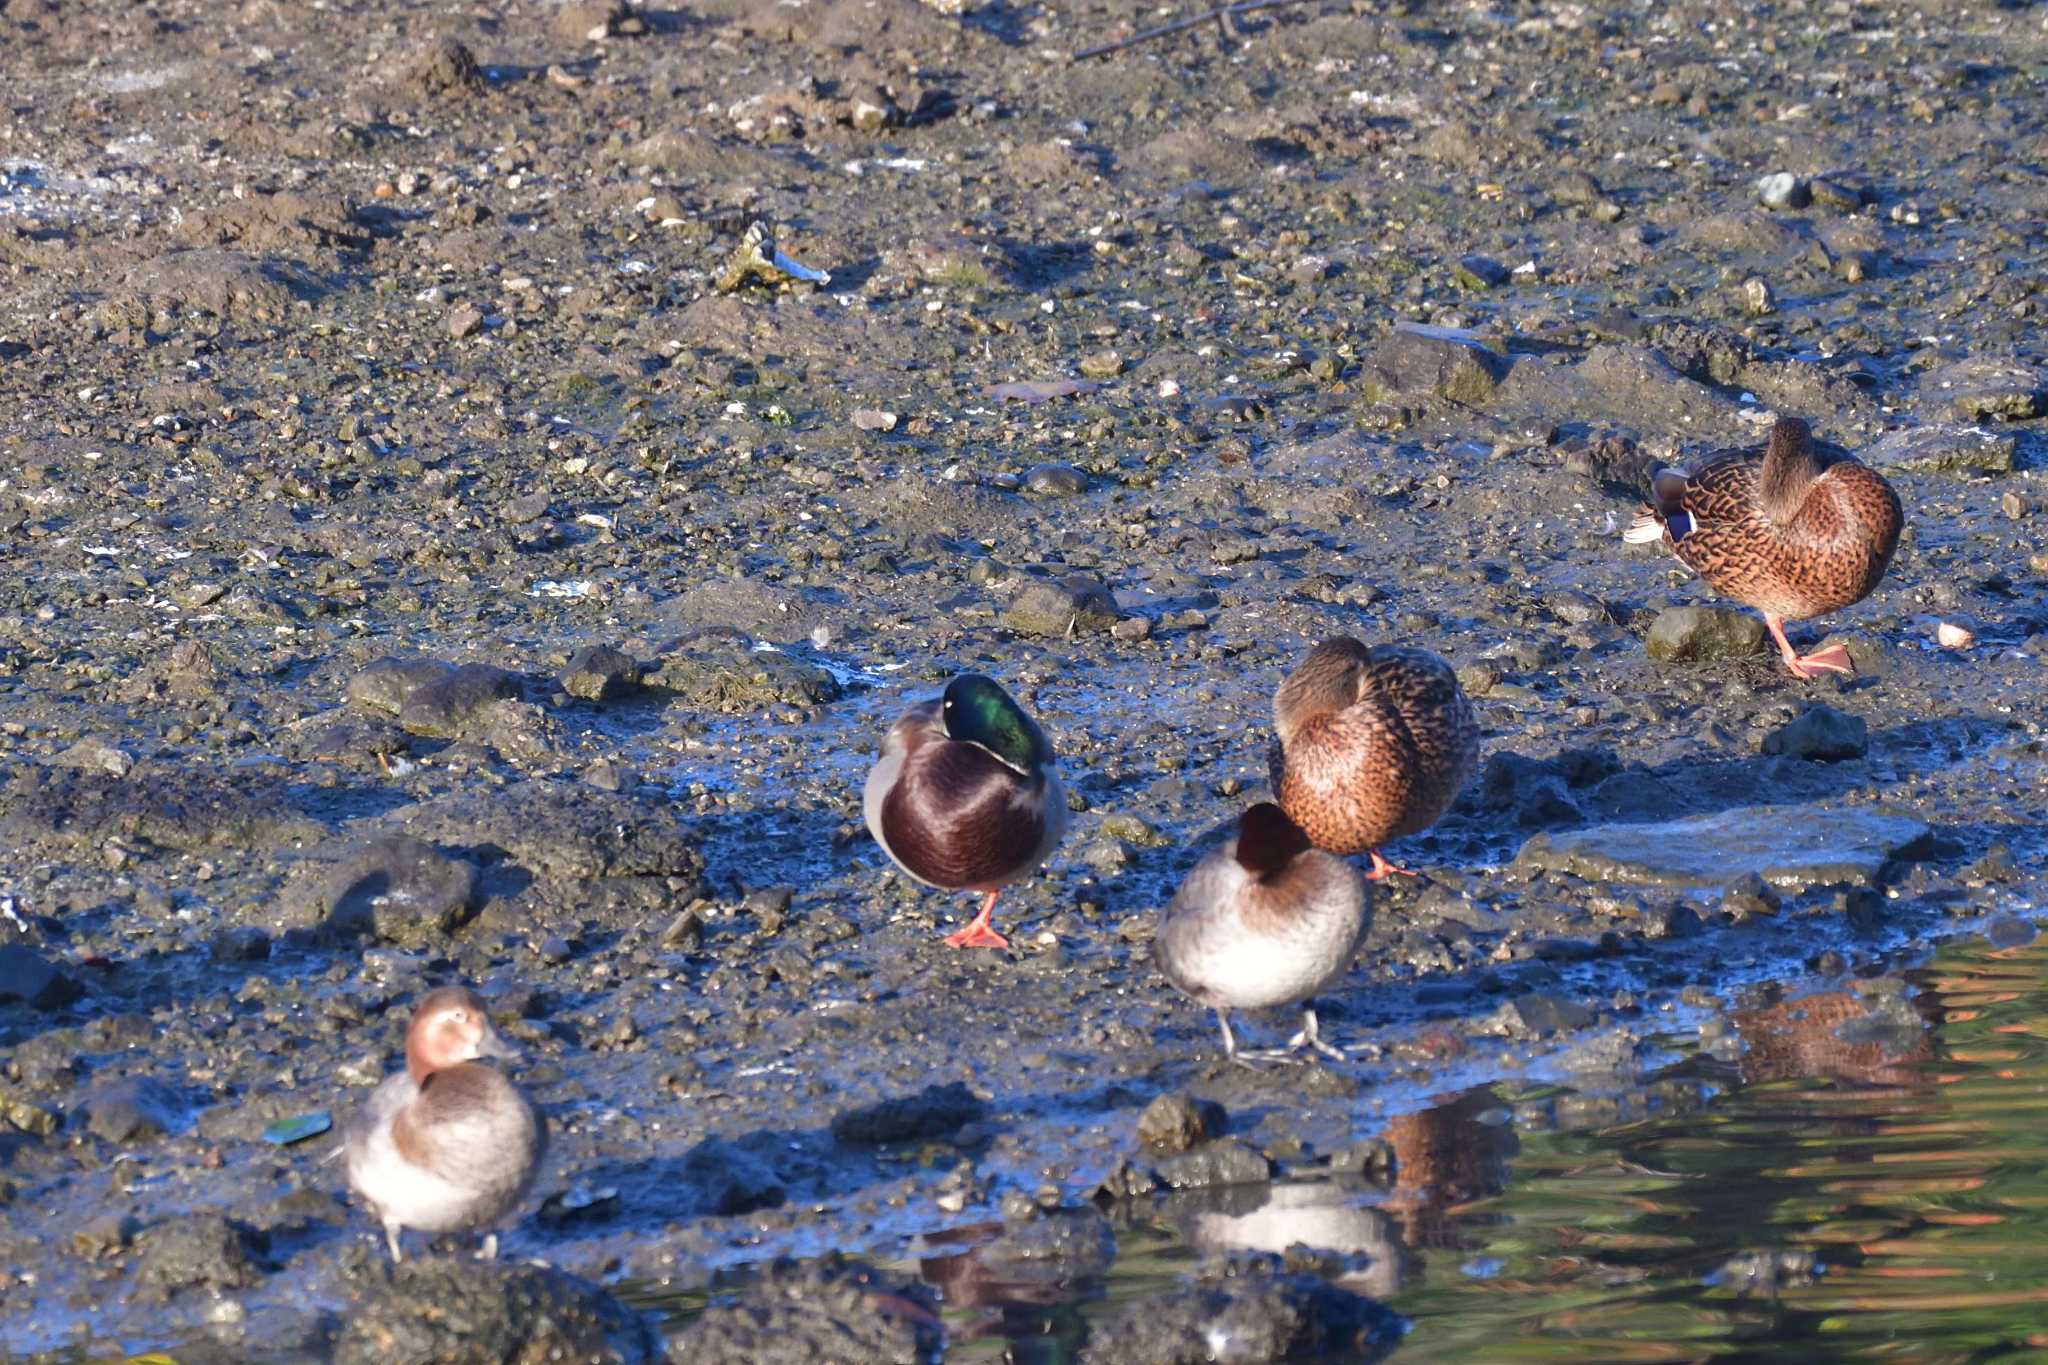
[429,556]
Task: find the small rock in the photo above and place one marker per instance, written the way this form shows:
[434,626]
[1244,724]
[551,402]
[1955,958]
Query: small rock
[1480,272]
[241,943]
[103,1236]
[1783,190]
[444,69]
[385,684]
[1954,635]
[398,888]
[593,21]
[26,1116]
[1539,1013]
[1245,1311]
[1997,866]
[601,673]
[1132,629]
[1442,362]
[735,678]
[873,419]
[444,707]
[686,930]
[1691,634]
[463,1312]
[1227,1162]
[1822,734]
[731,1180]
[1102,365]
[833,1311]
[1985,389]
[127,1112]
[26,977]
[464,320]
[1750,895]
[1055,481]
[199,1249]
[1578,188]
[936,1112]
[95,756]
[1174,1123]
[1073,604]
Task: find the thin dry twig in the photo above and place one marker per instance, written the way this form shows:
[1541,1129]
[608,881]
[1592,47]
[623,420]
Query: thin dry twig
[1222,15]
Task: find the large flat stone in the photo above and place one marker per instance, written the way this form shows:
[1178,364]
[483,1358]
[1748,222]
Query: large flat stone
[1789,846]
[1943,448]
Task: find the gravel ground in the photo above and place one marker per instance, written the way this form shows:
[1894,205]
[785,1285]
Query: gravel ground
[438,547]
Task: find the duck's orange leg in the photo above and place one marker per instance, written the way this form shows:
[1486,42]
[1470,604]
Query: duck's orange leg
[977,934]
[1382,869]
[1833,659]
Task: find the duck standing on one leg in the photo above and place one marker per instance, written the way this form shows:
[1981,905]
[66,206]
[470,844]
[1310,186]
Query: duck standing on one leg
[1779,529]
[448,1144]
[964,797]
[1373,744]
[1263,921]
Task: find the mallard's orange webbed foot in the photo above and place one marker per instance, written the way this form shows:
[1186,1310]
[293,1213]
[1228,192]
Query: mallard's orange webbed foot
[1833,659]
[978,934]
[1382,869]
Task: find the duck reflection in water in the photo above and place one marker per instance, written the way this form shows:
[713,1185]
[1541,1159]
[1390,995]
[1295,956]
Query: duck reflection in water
[1444,1158]
[1869,1036]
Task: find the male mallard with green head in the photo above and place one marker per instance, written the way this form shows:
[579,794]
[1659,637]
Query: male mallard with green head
[964,798]
[1779,529]
[1373,744]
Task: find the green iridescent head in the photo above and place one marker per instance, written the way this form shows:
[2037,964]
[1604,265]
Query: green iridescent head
[977,710]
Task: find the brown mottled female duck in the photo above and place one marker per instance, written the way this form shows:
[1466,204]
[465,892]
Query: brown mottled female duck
[1373,744]
[1779,529]
[964,798]
[448,1144]
[1264,920]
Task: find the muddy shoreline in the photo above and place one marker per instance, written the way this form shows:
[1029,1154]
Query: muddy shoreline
[390,495]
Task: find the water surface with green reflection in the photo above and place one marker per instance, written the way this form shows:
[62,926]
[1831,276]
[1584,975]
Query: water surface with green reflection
[1859,1173]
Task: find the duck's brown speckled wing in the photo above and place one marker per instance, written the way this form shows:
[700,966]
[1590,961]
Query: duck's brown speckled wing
[1830,554]
[958,818]
[1386,766]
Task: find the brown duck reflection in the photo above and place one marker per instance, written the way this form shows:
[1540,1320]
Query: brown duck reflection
[1444,1158]
[1863,1037]
[1030,1265]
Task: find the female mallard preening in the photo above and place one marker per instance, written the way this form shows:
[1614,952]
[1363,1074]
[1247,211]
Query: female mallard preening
[1781,530]
[1373,744]
[1263,921]
[964,797]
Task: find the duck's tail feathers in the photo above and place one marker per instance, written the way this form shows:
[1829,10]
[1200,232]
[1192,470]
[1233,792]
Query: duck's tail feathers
[1647,527]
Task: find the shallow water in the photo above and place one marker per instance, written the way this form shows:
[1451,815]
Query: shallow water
[1865,1177]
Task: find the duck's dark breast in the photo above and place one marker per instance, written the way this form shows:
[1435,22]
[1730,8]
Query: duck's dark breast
[959,819]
